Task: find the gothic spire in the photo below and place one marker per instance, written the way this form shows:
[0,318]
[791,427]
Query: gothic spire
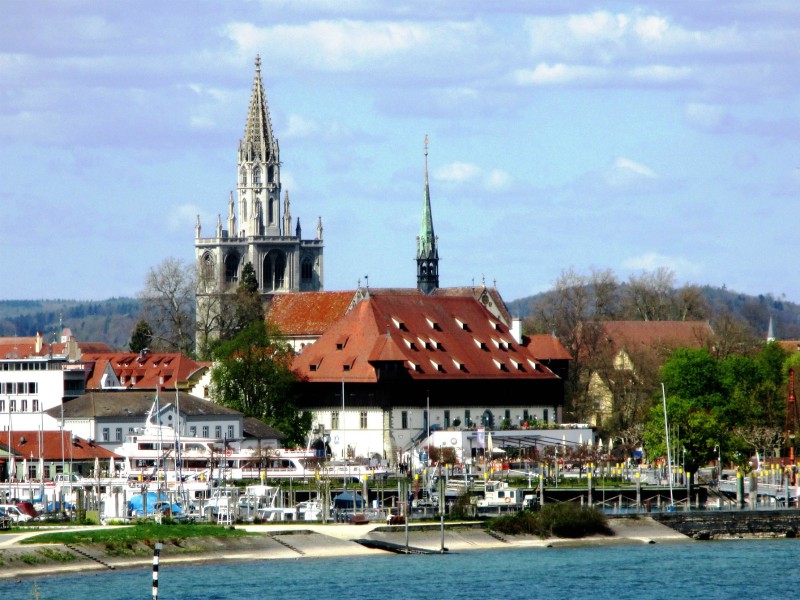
[427,243]
[258,140]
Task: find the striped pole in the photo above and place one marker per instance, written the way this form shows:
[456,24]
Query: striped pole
[156,552]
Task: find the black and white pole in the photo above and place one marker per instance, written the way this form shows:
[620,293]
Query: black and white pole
[156,552]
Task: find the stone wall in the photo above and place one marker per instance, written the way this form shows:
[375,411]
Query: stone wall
[734,523]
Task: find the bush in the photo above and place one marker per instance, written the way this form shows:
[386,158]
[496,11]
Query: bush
[565,520]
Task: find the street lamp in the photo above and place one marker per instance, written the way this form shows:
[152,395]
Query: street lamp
[719,464]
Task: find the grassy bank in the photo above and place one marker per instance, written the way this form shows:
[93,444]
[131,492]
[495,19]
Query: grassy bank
[146,533]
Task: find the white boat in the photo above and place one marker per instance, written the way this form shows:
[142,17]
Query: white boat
[499,497]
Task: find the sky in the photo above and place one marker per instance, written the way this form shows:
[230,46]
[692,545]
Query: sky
[586,135]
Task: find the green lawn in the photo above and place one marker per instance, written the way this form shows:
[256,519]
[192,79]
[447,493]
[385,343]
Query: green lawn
[142,532]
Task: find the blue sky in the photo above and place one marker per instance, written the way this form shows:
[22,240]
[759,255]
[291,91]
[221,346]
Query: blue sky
[621,135]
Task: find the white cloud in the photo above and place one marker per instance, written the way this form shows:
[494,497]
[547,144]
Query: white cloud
[626,164]
[707,117]
[299,127]
[457,172]
[651,261]
[498,180]
[350,45]
[546,74]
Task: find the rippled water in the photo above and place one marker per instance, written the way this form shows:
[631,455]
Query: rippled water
[703,570]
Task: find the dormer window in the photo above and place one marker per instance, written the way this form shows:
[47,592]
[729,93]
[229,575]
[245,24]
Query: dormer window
[500,365]
[462,324]
[399,324]
[433,324]
[342,342]
[480,344]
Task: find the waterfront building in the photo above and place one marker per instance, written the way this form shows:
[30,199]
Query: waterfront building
[108,416]
[37,376]
[399,366]
[37,455]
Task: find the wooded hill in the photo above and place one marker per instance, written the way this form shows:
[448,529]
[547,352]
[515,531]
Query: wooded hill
[754,311]
[110,321]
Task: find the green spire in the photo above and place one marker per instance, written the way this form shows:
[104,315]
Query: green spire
[427,240]
[427,250]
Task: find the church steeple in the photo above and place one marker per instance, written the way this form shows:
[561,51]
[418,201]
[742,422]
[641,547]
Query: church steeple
[259,168]
[427,243]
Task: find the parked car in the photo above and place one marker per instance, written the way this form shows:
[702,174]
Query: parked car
[14,513]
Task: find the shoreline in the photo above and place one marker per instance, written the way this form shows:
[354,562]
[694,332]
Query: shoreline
[298,541]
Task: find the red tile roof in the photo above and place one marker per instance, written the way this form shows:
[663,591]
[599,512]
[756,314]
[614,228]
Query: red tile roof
[151,370]
[79,449]
[546,347]
[439,337]
[308,313]
[633,335]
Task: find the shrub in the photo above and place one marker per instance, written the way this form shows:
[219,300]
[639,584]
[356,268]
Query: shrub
[564,520]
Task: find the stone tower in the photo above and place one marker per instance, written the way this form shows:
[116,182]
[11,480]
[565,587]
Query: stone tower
[259,227]
[427,243]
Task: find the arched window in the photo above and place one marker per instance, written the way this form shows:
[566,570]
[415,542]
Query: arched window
[243,177]
[271,211]
[307,269]
[257,176]
[274,270]
[207,268]
[232,267]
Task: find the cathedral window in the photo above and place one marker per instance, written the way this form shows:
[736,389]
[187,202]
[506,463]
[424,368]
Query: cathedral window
[306,269]
[257,176]
[232,268]
[207,272]
[274,270]
[243,177]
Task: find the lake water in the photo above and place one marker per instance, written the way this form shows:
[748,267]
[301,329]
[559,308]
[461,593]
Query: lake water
[707,570]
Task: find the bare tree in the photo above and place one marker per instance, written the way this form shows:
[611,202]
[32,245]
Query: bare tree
[650,295]
[574,312]
[168,305]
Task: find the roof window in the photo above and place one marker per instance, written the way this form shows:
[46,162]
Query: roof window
[342,342]
[399,324]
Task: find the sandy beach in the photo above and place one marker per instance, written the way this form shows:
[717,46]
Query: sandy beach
[302,540]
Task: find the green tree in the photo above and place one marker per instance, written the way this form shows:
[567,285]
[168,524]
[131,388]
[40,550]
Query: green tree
[141,336]
[252,374]
[247,302]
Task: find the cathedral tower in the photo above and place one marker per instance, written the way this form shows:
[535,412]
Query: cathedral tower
[427,243]
[257,231]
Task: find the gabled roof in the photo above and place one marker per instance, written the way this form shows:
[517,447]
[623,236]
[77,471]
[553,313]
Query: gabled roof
[54,443]
[255,428]
[648,335]
[136,404]
[437,337]
[308,313]
[546,347]
[147,370]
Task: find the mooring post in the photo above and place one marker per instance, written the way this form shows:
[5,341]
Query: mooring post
[156,552]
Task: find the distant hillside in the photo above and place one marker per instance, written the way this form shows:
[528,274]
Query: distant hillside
[753,310]
[109,321]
